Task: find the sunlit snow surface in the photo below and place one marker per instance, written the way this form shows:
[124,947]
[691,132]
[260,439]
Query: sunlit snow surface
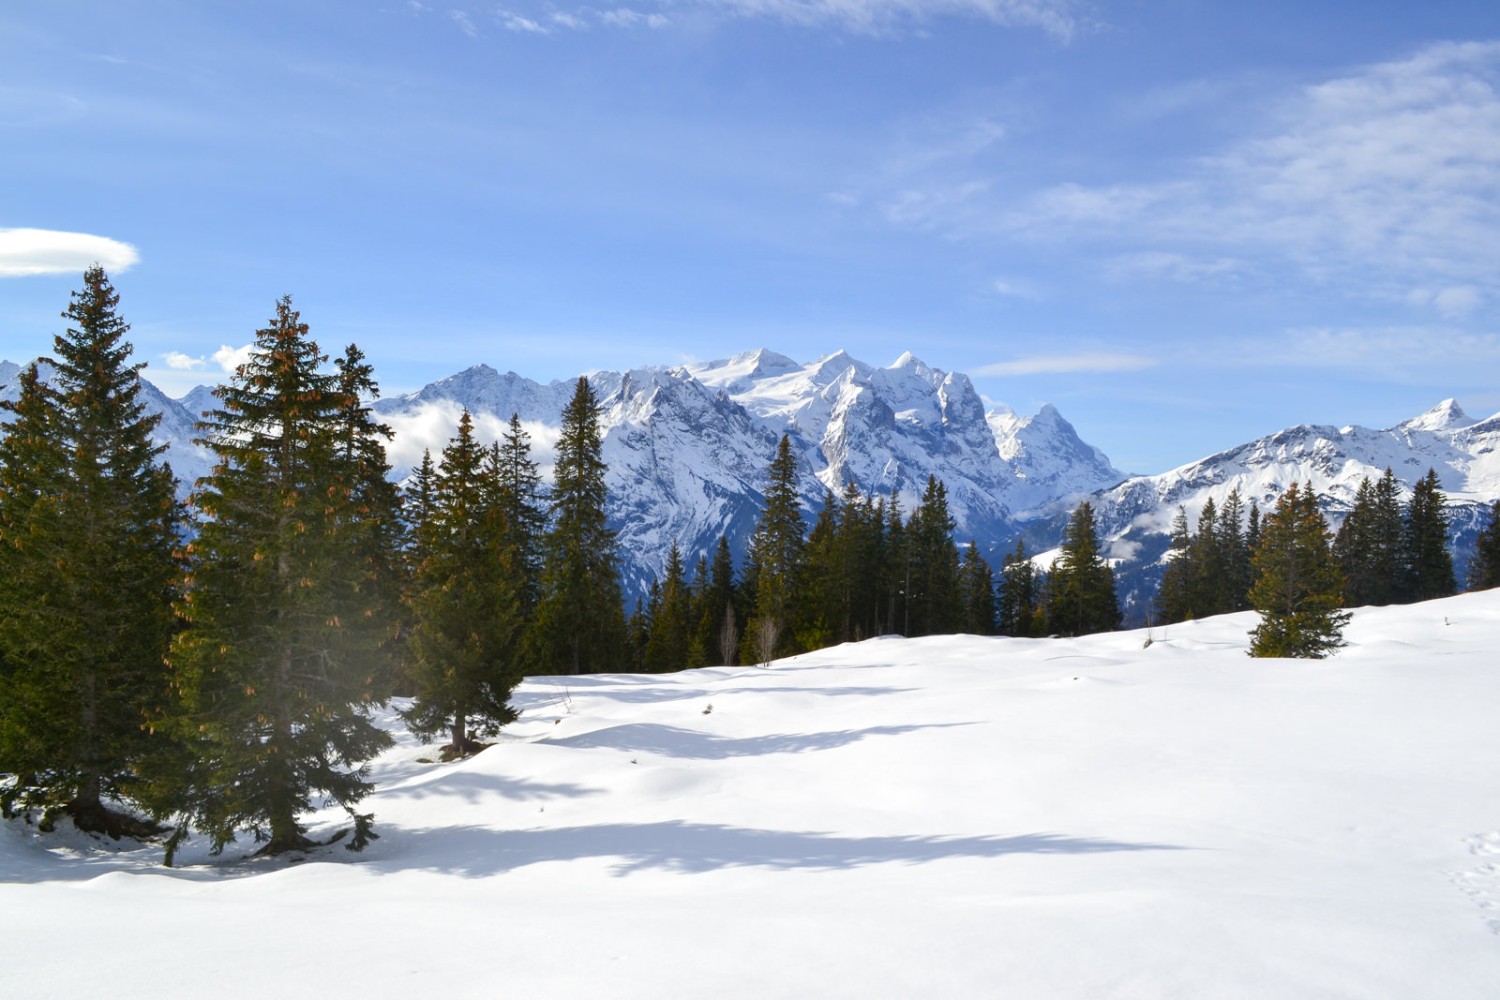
[953,817]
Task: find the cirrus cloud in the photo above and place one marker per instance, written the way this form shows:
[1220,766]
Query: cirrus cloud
[1063,364]
[28,252]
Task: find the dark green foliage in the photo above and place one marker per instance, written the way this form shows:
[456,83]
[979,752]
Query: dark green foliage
[1429,564]
[1484,565]
[775,560]
[1079,597]
[976,585]
[89,526]
[1369,544]
[580,619]
[468,602]
[1299,588]
[670,635]
[716,636]
[1020,596]
[933,602]
[280,660]
[1208,572]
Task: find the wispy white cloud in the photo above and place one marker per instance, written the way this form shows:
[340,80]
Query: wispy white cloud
[177,361]
[1061,19]
[230,358]
[1402,353]
[1390,174]
[25,252]
[1063,364]
[1385,179]
[1172,266]
[1014,288]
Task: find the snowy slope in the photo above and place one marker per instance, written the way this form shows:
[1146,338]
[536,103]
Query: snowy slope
[947,817]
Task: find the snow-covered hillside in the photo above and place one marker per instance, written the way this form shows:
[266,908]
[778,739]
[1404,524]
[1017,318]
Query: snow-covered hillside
[955,817]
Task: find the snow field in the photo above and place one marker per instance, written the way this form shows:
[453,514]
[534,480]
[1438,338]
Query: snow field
[950,816]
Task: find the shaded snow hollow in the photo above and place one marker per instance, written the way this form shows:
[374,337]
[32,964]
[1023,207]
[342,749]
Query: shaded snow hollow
[949,816]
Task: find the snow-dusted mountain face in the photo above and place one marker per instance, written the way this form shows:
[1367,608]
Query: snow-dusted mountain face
[688,448]
[1136,515]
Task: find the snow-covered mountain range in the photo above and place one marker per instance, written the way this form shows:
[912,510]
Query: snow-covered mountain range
[688,449]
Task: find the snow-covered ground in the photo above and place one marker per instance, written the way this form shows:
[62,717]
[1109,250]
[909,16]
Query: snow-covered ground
[944,817]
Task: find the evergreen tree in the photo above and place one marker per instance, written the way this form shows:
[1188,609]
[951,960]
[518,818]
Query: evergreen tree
[775,561]
[274,666]
[1174,595]
[716,612]
[1429,564]
[89,527]
[977,590]
[1484,565]
[1235,554]
[1020,595]
[467,604]
[821,588]
[933,598]
[670,635]
[1368,544]
[1299,588]
[580,620]
[1081,586]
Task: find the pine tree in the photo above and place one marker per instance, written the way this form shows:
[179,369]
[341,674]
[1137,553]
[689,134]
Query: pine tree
[467,604]
[1299,588]
[1484,565]
[933,597]
[775,561]
[274,667]
[713,606]
[1235,553]
[977,590]
[1429,564]
[89,528]
[1174,593]
[580,619]
[1020,594]
[1081,586]
[667,645]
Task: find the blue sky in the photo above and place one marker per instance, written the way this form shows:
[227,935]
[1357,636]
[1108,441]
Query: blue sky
[1184,223]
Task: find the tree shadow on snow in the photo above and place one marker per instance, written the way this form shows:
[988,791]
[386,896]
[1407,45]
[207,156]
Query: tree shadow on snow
[694,848]
[692,744]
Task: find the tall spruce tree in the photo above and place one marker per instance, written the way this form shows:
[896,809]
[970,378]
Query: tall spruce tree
[775,562]
[933,598]
[467,604]
[580,620]
[670,633]
[977,593]
[89,527]
[1299,588]
[1429,564]
[274,668]
[1080,592]
[1484,564]
[1020,595]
